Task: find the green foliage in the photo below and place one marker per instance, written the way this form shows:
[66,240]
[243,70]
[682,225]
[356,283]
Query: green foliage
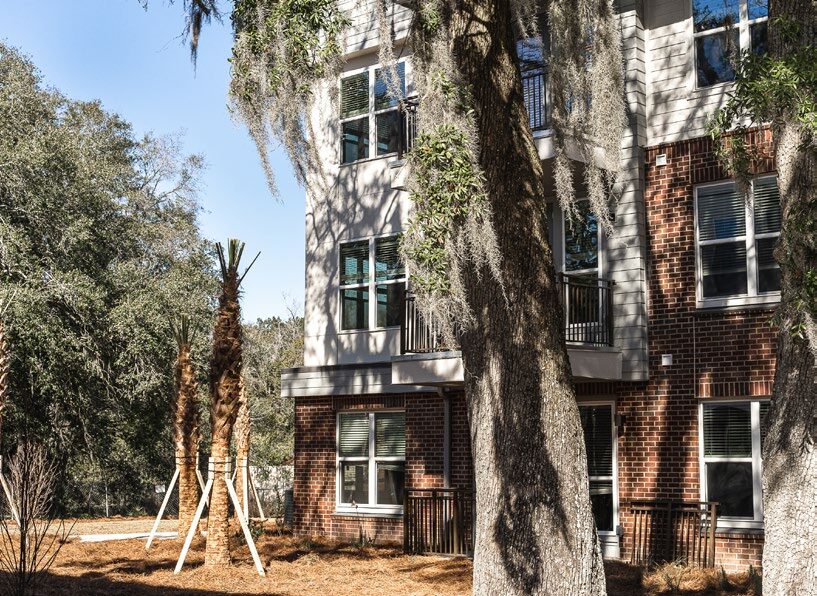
[448,188]
[767,89]
[99,244]
[271,345]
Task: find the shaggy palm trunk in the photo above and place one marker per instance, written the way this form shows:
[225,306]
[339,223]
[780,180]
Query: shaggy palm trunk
[5,365]
[242,447]
[186,438]
[225,378]
[789,458]
[535,531]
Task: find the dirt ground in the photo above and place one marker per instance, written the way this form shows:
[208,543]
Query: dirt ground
[302,567]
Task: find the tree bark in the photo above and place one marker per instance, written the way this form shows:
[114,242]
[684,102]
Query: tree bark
[225,380]
[789,459]
[187,436]
[242,447]
[535,531]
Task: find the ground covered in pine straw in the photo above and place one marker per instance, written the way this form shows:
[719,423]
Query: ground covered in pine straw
[316,567]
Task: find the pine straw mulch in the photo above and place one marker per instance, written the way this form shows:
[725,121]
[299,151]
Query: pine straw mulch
[305,567]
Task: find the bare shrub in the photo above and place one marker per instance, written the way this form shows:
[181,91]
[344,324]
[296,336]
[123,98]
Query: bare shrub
[29,545]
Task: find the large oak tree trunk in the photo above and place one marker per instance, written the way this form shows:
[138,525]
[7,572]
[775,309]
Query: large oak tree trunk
[187,435]
[535,532]
[789,458]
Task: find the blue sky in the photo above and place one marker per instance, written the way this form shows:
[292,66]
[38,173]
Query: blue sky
[135,62]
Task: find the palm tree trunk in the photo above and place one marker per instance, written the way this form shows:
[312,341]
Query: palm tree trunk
[225,381]
[242,448]
[535,531]
[789,457]
[187,436]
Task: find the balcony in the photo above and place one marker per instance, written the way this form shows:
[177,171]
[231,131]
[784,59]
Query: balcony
[588,318]
[534,88]
[587,305]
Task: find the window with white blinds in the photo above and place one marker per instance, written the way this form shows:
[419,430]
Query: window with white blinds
[735,239]
[369,114]
[371,461]
[731,446]
[599,442]
[357,285]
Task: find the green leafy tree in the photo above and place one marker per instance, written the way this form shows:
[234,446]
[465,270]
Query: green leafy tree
[99,244]
[779,89]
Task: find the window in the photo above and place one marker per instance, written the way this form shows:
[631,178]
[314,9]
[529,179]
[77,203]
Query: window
[369,116]
[371,461]
[581,242]
[732,436]
[736,237]
[599,441]
[722,28]
[387,285]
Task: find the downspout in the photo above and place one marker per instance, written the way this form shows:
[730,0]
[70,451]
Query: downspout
[446,437]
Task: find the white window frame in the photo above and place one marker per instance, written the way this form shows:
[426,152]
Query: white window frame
[371,114]
[612,405]
[757,464]
[371,285]
[752,296]
[371,507]
[744,26]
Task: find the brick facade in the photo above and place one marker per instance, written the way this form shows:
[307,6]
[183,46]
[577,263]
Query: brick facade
[315,474]
[716,354]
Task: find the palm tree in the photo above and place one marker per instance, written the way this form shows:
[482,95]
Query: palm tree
[242,446]
[225,390]
[186,431]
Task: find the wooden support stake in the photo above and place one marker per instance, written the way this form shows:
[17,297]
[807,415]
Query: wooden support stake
[196,518]
[162,508]
[7,492]
[257,499]
[244,526]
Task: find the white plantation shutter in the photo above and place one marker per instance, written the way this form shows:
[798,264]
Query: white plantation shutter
[597,424]
[728,430]
[721,213]
[354,95]
[354,435]
[387,259]
[354,263]
[766,206]
[390,434]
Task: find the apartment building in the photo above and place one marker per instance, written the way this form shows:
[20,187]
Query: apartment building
[667,322]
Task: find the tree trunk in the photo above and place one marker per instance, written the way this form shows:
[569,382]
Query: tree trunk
[5,366]
[225,380]
[535,531]
[789,459]
[242,448]
[187,435]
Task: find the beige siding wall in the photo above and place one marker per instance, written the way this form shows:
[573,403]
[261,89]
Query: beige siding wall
[363,35]
[676,109]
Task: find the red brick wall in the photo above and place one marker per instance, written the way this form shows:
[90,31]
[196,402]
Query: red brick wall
[314,482]
[716,353]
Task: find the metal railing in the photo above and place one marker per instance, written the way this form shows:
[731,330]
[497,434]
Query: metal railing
[408,126]
[587,303]
[588,317]
[673,531]
[438,520]
[537,98]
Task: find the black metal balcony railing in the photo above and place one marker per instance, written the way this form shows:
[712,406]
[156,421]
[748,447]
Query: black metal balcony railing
[438,520]
[408,126]
[587,304]
[534,88]
[536,93]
